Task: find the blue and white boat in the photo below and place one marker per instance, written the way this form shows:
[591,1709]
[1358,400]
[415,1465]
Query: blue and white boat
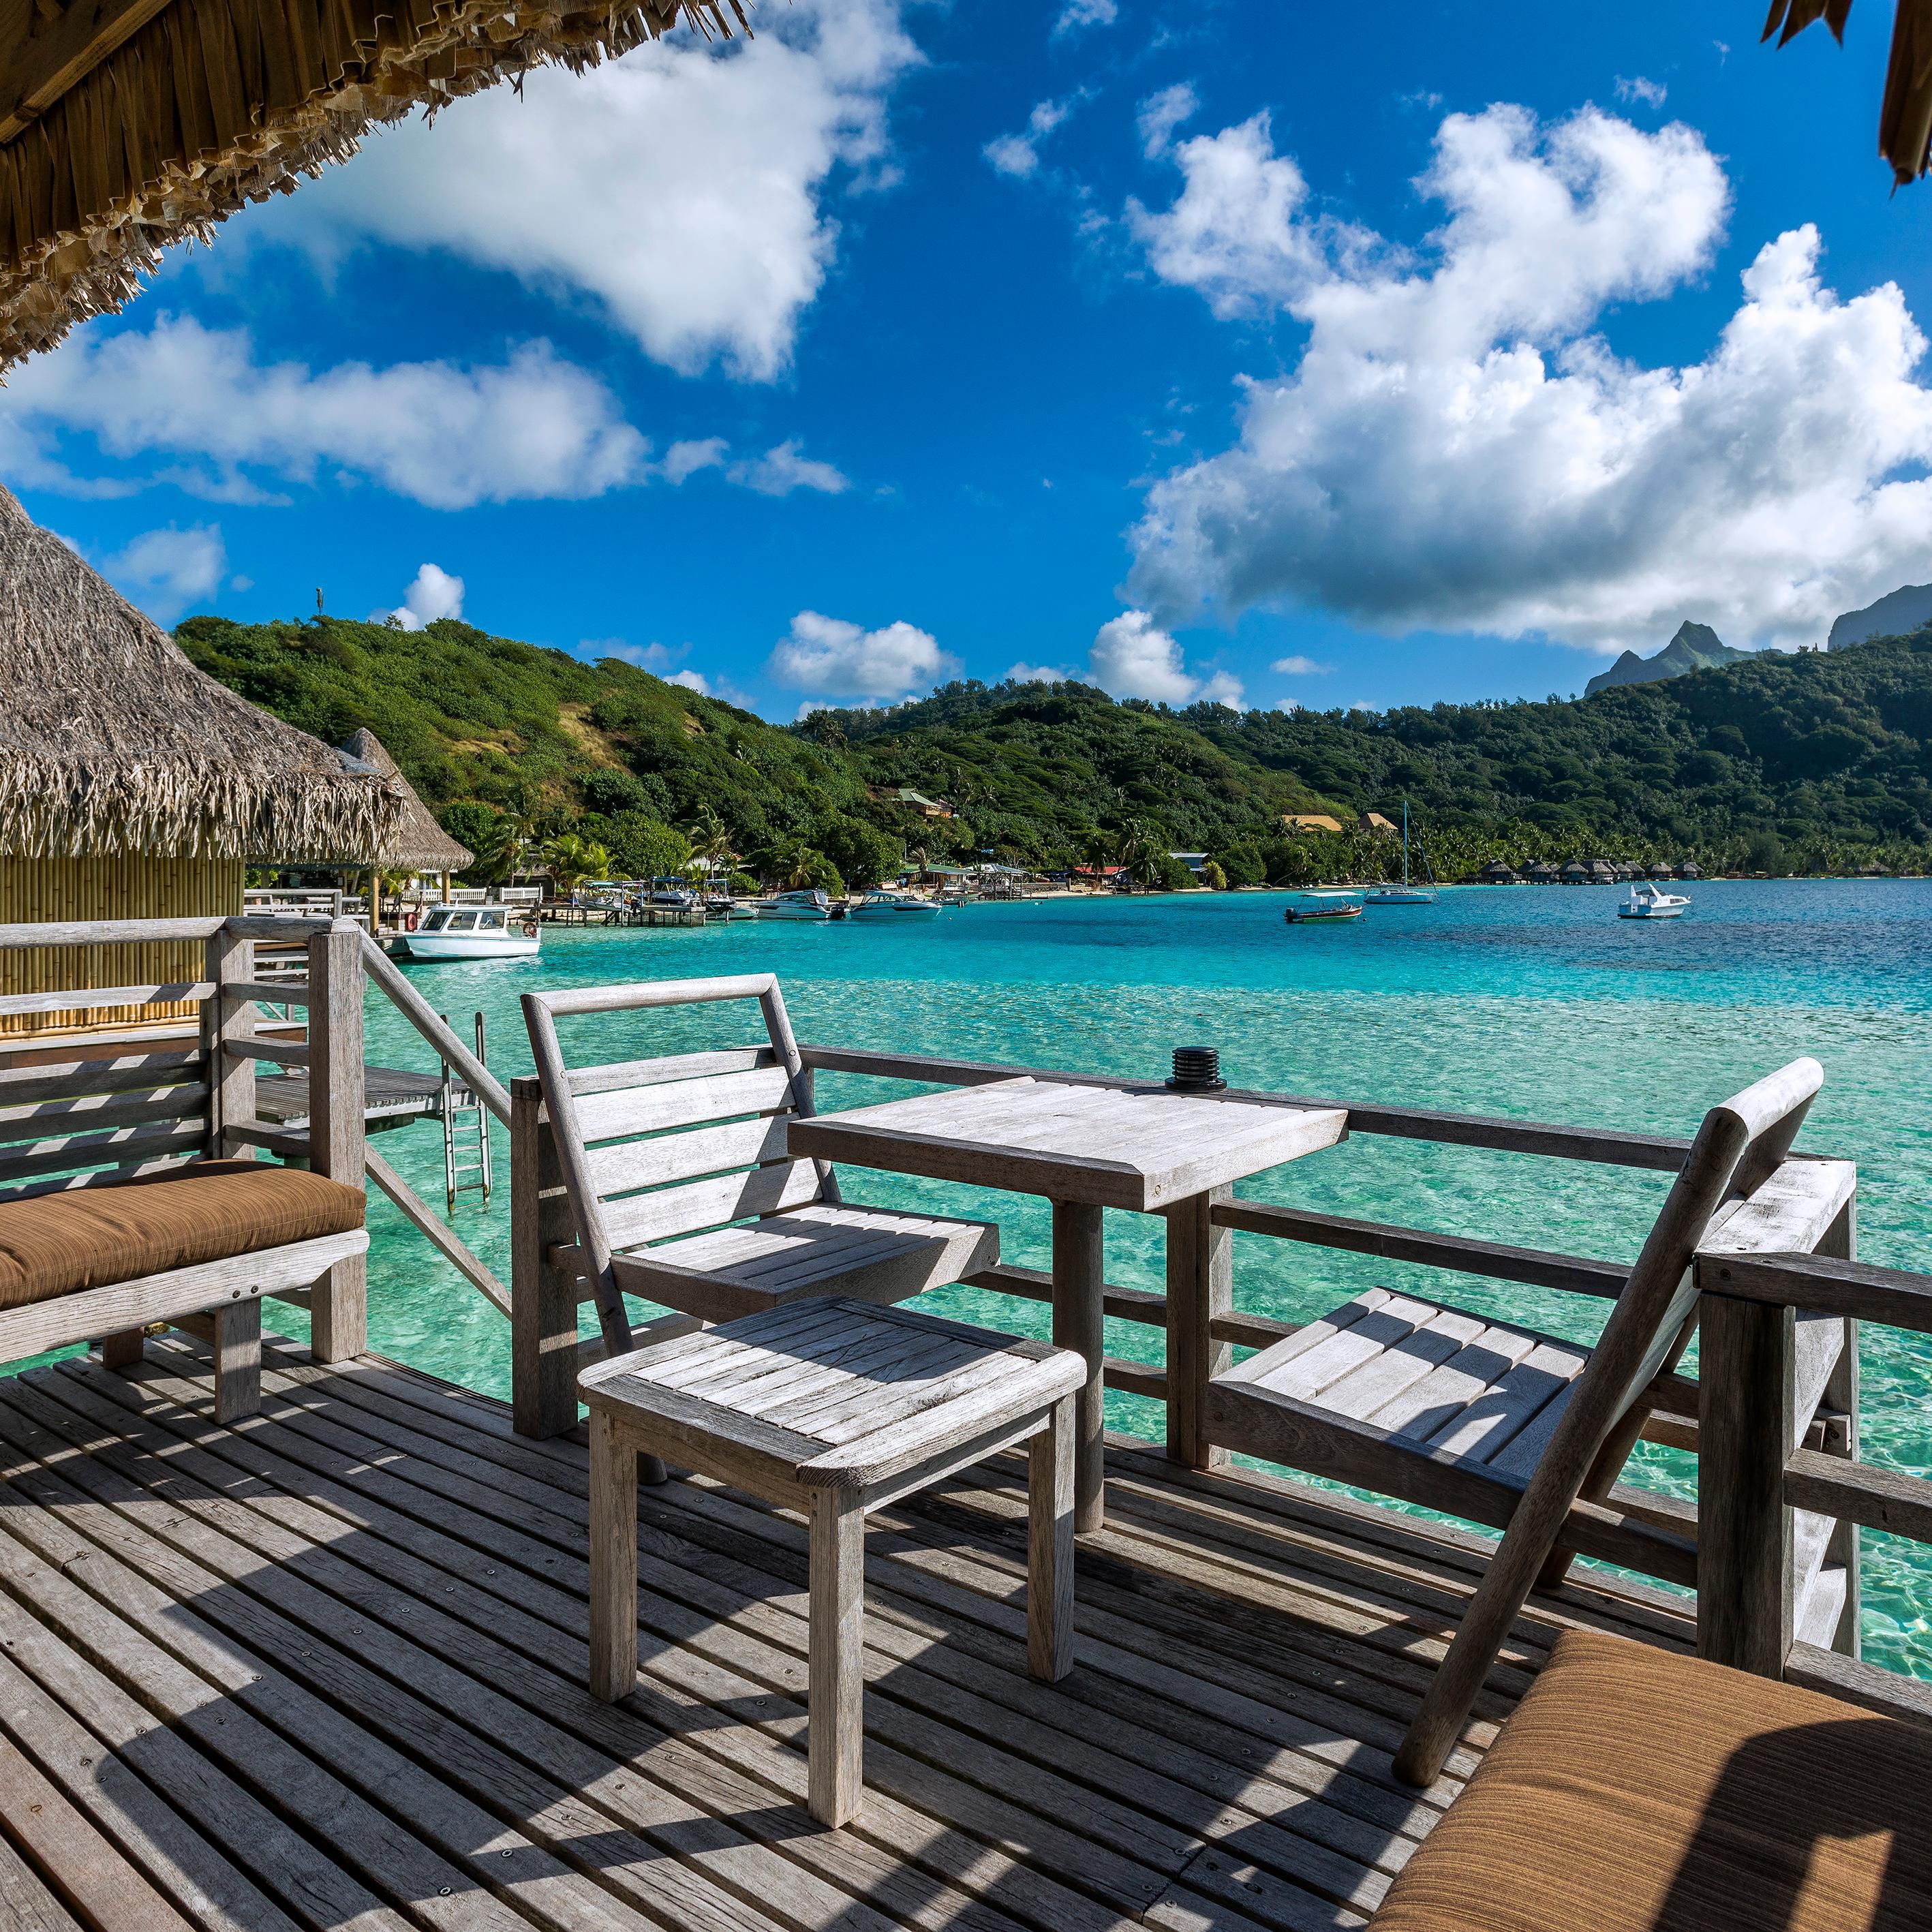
[884,908]
[808,904]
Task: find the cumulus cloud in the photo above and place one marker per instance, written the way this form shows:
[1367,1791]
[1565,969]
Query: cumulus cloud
[1161,113]
[1078,13]
[1299,667]
[1649,93]
[433,593]
[781,471]
[687,459]
[692,680]
[1026,673]
[1457,448]
[1019,154]
[165,571]
[845,660]
[1133,657]
[447,436]
[680,189]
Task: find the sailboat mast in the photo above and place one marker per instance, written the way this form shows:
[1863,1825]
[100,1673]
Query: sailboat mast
[1404,842]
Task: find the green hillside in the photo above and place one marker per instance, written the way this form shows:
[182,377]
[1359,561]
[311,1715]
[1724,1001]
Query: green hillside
[1813,762]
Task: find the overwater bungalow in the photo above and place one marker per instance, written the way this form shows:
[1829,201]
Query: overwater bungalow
[1539,872]
[1496,873]
[133,787]
[768,1603]
[418,845]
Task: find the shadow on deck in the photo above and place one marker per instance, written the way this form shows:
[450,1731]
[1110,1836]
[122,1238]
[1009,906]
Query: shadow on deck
[326,1668]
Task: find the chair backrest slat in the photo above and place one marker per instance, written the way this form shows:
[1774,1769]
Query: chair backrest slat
[669,1066]
[625,1166]
[681,1103]
[671,1211]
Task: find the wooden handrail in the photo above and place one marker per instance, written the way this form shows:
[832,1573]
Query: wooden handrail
[429,1024]
[1575,1274]
[1894,1296]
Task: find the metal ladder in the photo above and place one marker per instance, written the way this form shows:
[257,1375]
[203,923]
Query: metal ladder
[466,1130]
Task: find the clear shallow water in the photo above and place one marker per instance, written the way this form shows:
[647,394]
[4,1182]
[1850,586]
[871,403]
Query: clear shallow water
[1533,1002]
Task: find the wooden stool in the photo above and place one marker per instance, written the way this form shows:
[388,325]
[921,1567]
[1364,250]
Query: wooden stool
[831,1408]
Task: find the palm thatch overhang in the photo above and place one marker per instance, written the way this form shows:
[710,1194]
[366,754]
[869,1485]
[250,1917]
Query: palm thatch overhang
[127,125]
[111,741]
[1905,115]
[418,844]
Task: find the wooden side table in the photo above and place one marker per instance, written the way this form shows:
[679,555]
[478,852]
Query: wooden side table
[831,1408]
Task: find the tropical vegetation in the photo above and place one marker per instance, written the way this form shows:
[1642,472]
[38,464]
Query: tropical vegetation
[1813,762]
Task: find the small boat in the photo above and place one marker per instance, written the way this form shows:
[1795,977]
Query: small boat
[810,904]
[1319,904]
[1404,894]
[892,908]
[1653,902]
[474,932]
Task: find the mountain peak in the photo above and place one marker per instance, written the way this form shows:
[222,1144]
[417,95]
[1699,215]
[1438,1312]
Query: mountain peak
[1899,611]
[1695,647]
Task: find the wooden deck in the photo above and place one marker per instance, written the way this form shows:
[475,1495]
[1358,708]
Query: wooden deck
[327,1669]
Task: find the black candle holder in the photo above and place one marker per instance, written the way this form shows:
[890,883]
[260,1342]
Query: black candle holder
[1197,1070]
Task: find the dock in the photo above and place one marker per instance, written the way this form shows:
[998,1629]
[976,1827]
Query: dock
[393,1096]
[329,1666]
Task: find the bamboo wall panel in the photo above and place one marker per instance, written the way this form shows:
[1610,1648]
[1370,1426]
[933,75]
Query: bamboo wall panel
[113,885]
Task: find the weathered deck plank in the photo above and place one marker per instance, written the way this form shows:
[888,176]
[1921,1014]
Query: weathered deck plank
[326,1668]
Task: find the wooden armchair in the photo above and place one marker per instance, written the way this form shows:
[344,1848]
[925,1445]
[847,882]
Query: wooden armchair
[680,1189]
[1498,1424]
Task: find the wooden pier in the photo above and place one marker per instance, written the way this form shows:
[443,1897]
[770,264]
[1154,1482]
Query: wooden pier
[327,1666]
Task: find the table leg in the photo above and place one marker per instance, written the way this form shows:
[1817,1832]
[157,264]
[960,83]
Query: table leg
[1079,1314]
[613,1559]
[1050,1546]
[835,1734]
[1200,1285]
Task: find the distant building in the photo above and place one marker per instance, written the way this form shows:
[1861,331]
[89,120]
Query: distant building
[1310,821]
[1193,861]
[1373,821]
[932,808]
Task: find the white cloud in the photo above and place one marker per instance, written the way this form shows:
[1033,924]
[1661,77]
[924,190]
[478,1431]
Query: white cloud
[652,657]
[1026,673]
[680,189]
[1298,666]
[433,593]
[1649,93]
[1019,154]
[1077,14]
[1457,449]
[165,571]
[1161,113]
[687,459]
[692,680]
[845,660]
[1133,657]
[446,435]
[780,471]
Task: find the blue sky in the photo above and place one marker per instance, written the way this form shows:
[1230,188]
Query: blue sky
[1356,356]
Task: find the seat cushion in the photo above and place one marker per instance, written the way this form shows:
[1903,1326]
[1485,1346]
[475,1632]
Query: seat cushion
[1635,1790]
[56,1244]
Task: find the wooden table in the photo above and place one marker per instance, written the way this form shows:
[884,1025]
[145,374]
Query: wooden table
[1086,1149]
[833,1408]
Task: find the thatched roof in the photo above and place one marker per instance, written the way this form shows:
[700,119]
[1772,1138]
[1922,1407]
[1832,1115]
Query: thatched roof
[418,844]
[1905,116]
[111,741]
[126,127]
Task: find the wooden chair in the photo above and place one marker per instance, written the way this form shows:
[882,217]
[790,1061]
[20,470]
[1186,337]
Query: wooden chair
[680,1189]
[1499,1424]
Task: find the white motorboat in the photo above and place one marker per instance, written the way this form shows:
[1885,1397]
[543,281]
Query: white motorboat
[475,932]
[892,908]
[1653,902]
[810,904]
[1305,907]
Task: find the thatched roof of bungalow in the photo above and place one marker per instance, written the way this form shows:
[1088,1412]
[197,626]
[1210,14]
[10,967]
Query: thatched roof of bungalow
[418,844]
[1539,872]
[126,127]
[1905,115]
[111,741]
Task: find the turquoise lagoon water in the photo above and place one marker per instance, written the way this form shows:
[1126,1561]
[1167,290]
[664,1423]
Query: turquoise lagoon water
[1533,1002]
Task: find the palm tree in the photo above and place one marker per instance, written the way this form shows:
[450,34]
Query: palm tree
[510,840]
[572,859]
[1142,854]
[711,848]
[806,867]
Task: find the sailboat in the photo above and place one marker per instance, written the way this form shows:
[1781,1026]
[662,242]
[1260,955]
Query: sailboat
[1404,894]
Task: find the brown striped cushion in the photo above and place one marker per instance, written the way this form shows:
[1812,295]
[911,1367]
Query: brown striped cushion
[55,1244]
[1635,1790]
